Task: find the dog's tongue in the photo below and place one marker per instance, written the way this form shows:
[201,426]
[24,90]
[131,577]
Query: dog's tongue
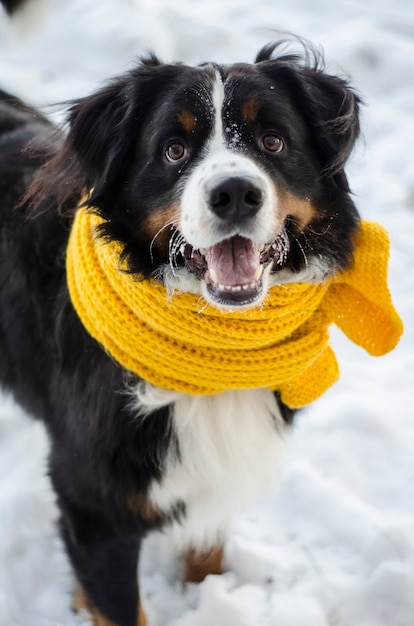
[233,262]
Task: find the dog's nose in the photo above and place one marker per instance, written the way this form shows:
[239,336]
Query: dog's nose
[236,198]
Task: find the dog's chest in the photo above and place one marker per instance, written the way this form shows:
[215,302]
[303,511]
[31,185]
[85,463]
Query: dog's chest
[230,446]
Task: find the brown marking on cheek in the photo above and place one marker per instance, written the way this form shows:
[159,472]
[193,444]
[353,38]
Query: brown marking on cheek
[187,120]
[250,110]
[302,210]
[81,602]
[198,565]
[156,229]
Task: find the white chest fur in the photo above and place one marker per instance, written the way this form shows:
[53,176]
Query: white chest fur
[230,448]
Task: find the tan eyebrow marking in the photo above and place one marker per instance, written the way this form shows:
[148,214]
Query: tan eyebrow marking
[188,120]
[250,109]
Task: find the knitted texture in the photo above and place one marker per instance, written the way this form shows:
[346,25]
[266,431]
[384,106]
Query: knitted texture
[182,343]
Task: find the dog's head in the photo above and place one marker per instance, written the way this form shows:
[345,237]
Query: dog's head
[221,180]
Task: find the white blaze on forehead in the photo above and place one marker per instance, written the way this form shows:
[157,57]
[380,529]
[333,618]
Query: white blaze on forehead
[217,102]
[220,160]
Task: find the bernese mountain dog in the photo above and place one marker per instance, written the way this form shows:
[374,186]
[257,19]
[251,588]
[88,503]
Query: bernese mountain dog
[217,180]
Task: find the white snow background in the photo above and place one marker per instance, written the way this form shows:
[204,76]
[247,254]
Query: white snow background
[333,544]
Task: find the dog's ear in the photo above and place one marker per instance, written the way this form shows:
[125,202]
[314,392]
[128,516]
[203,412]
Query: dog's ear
[327,103]
[332,109]
[102,131]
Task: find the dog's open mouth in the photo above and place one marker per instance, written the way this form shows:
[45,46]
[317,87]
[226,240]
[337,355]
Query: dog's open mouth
[233,269]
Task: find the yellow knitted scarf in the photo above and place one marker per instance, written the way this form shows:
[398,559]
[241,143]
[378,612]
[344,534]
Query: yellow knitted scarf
[182,343]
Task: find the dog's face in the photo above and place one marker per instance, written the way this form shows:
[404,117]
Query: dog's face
[223,180]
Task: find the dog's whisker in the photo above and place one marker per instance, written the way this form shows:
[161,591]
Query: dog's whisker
[177,241]
[314,232]
[301,248]
[151,247]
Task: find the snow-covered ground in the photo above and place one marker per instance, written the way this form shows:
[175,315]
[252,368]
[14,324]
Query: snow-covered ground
[334,543]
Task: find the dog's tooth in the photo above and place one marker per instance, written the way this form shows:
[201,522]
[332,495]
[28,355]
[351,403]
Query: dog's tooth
[262,247]
[213,276]
[258,273]
[202,251]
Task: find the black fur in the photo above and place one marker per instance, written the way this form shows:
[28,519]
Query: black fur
[12,6]
[104,455]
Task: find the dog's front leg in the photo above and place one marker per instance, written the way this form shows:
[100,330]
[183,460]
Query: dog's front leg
[105,561]
[81,602]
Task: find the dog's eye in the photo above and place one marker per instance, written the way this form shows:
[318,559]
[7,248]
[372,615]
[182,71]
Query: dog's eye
[176,151]
[272,143]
